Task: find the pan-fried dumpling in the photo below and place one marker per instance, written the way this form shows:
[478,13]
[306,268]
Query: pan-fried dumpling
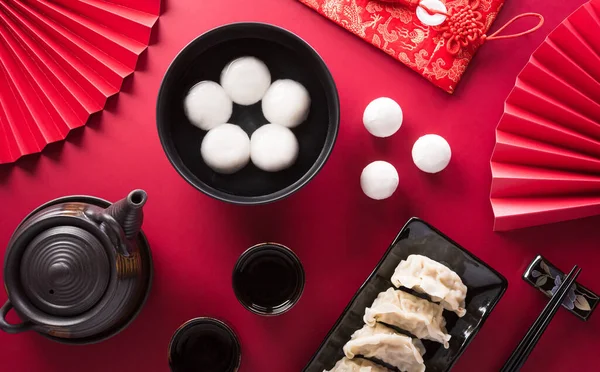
[387,345]
[390,347]
[420,317]
[357,365]
[425,275]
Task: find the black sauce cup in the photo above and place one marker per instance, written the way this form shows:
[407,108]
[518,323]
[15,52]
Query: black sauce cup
[204,344]
[268,279]
[288,57]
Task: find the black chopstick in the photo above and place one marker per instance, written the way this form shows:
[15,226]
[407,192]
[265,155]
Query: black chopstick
[520,354]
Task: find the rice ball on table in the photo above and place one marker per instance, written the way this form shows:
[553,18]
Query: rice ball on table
[226,148]
[431,153]
[286,103]
[273,148]
[383,117]
[379,180]
[246,80]
[207,105]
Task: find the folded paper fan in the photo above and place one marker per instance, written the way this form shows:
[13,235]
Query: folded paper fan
[60,61]
[546,162]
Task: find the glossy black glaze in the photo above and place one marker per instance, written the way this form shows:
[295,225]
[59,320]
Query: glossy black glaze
[65,271]
[542,274]
[268,279]
[119,304]
[204,344]
[287,56]
[485,288]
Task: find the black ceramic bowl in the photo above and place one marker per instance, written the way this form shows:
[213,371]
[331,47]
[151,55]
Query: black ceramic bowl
[287,57]
[485,287]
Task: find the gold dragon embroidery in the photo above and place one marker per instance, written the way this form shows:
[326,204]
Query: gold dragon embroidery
[399,12]
[373,6]
[459,65]
[421,59]
[332,9]
[376,41]
[354,22]
[388,36]
[416,36]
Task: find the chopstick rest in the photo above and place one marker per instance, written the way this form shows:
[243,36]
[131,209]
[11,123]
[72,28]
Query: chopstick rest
[521,353]
[542,274]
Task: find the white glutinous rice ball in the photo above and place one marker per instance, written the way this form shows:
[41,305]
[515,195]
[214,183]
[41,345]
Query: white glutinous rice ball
[273,147]
[226,148]
[207,105]
[431,153]
[246,80]
[383,117]
[286,103]
[379,180]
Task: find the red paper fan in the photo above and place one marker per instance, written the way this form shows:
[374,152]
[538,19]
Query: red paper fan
[546,163]
[60,61]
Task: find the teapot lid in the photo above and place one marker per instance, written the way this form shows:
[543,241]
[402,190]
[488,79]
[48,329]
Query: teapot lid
[65,271]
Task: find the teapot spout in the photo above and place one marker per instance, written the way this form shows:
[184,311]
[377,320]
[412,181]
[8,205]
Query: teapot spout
[128,213]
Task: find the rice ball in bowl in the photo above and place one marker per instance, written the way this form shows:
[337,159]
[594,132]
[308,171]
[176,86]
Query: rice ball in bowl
[287,57]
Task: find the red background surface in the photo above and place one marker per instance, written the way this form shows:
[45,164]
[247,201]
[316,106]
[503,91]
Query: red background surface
[337,232]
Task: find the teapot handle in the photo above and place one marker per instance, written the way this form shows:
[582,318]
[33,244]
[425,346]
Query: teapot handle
[12,328]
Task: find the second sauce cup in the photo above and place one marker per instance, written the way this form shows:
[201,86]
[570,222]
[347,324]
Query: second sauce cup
[268,279]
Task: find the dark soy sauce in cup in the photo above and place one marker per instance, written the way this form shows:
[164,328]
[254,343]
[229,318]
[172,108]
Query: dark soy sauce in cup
[206,345]
[268,279]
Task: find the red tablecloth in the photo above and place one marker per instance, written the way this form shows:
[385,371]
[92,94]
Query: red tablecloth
[337,232]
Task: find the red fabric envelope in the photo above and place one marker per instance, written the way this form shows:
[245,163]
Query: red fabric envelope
[394,28]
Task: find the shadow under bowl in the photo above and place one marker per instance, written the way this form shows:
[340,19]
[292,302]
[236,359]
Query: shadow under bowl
[287,57]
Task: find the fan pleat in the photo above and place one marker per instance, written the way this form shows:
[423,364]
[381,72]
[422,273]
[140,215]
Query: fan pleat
[8,143]
[568,69]
[520,122]
[587,24]
[60,60]
[546,162]
[132,23]
[109,69]
[513,180]
[123,50]
[26,133]
[543,79]
[83,75]
[42,119]
[514,149]
[77,99]
[515,213]
[571,43]
[145,6]
[539,102]
[57,117]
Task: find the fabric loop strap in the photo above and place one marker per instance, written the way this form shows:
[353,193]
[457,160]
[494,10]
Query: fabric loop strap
[464,26]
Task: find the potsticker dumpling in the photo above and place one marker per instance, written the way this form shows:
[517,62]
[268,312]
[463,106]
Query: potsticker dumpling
[357,365]
[420,317]
[387,345]
[425,275]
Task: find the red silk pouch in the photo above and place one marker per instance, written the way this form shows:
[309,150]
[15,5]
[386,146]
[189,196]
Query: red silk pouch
[439,53]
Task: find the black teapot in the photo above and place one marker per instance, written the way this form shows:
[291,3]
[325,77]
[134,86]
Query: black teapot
[78,269]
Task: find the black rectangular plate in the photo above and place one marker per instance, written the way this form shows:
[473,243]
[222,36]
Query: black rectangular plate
[485,288]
